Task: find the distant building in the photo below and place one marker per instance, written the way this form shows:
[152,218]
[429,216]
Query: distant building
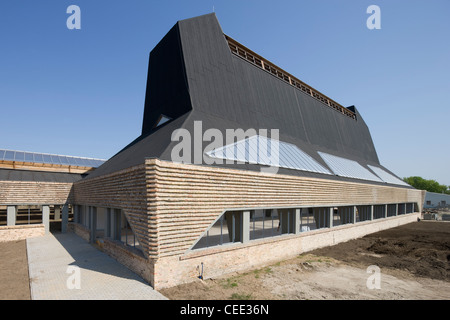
[436,200]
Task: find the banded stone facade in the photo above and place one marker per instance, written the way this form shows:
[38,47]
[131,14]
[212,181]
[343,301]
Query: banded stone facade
[170,206]
[125,190]
[35,192]
[188,198]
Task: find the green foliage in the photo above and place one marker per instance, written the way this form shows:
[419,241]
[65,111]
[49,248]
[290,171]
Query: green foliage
[428,185]
[241,296]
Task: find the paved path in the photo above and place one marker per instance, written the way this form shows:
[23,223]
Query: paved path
[53,261]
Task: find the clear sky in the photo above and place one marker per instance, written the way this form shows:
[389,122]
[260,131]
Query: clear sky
[81,92]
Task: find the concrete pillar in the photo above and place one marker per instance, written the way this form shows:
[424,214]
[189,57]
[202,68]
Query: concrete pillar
[230,217]
[117,221]
[385,210]
[396,209]
[330,217]
[108,223]
[11,212]
[354,214]
[371,212]
[57,212]
[245,226]
[65,218]
[93,222]
[75,213]
[297,221]
[46,218]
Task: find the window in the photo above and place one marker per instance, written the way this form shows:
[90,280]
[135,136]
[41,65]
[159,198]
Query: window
[118,228]
[271,222]
[227,229]
[162,119]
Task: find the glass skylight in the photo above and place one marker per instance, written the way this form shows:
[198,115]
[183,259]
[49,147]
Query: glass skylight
[348,168]
[264,151]
[386,176]
[163,119]
[32,157]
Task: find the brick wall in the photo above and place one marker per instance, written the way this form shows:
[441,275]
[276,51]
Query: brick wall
[184,200]
[172,270]
[169,206]
[131,259]
[124,190]
[32,192]
[80,231]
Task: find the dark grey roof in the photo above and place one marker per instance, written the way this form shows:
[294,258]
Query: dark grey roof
[193,76]
[150,145]
[38,176]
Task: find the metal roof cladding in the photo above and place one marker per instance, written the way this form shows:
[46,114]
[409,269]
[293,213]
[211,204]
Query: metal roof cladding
[195,76]
[34,157]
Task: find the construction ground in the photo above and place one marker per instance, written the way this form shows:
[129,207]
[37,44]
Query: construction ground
[407,262]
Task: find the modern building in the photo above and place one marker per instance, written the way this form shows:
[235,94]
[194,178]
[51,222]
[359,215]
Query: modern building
[36,190]
[436,200]
[239,164]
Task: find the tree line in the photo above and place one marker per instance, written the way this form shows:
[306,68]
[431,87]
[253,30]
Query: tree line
[428,185]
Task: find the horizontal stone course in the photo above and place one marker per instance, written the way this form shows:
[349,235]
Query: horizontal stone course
[169,206]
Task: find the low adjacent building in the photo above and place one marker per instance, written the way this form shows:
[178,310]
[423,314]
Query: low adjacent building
[436,200]
[36,190]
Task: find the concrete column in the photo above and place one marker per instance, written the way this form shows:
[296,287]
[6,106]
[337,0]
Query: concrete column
[385,210]
[11,212]
[116,224]
[93,222]
[65,218]
[57,212]
[371,212]
[396,209]
[297,221]
[75,213]
[108,223]
[230,217]
[46,218]
[330,217]
[245,226]
[354,214]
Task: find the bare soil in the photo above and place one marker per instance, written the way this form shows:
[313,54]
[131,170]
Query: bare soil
[413,262]
[14,283]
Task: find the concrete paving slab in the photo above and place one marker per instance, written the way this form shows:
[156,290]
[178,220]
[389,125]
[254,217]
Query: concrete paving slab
[66,267]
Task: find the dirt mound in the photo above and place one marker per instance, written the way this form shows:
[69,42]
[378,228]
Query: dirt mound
[422,248]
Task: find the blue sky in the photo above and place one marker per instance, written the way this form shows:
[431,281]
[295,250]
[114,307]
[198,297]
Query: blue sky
[81,92]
